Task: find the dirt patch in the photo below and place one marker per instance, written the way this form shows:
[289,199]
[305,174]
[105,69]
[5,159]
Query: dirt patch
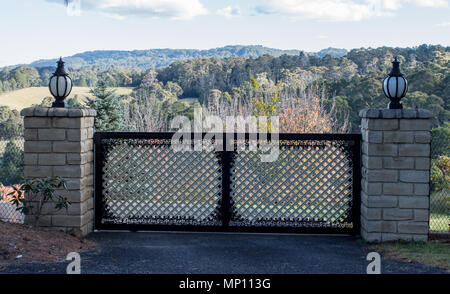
[26,244]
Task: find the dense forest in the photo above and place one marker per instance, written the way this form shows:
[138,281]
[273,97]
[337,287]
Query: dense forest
[156,58]
[344,84]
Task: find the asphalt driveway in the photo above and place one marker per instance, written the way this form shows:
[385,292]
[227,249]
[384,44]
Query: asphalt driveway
[183,253]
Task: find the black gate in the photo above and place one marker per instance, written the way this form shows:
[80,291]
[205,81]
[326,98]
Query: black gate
[141,183]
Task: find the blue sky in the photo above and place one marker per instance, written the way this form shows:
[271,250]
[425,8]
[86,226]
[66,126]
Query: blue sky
[38,29]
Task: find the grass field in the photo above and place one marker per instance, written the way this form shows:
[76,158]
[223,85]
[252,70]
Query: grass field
[22,98]
[433,253]
[189,101]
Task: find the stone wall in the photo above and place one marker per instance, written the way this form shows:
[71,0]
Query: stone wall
[59,142]
[395,174]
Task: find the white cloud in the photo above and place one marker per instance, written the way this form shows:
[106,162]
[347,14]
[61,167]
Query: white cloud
[119,9]
[229,12]
[431,3]
[113,16]
[341,10]
[444,24]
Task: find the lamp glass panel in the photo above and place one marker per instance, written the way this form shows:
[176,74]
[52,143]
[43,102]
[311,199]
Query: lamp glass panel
[392,86]
[385,86]
[401,86]
[69,86]
[61,86]
[53,86]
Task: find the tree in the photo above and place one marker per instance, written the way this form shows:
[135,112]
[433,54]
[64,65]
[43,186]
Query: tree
[10,123]
[416,99]
[82,82]
[308,114]
[74,102]
[149,78]
[11,167]
[174,88]
[440,144]
[143,113]
[424,80]
[108,106]
[440,157]
[265,105]
[431,102]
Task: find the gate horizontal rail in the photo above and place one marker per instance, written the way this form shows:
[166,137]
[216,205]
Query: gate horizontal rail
[169,135]
[313,186]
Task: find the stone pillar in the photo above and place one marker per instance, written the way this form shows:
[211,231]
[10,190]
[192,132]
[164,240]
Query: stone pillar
[395,174]
[59,142]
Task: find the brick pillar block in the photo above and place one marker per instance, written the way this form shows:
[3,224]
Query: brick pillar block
[59,142]
[395,174]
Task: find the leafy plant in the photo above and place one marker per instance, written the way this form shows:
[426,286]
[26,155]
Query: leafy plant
[38,192]
[440,173]
[7,193]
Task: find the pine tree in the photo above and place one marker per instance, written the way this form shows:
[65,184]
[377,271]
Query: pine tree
[74,102]
[109,109]
[11,166]
[82,82]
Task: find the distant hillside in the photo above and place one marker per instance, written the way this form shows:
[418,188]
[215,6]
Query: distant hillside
[336,52]
[157,58]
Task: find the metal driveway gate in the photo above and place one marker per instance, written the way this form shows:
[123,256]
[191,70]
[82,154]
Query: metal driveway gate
[313,186]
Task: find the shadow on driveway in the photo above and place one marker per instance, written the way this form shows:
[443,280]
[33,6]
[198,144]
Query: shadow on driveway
[193,253]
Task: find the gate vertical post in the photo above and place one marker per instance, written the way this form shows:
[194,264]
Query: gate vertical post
[59,142]
[395,174]
[226,157]
[356,209]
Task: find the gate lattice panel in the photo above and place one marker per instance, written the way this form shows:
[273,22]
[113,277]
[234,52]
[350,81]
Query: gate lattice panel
[142,183]
[308,186]
[146,182]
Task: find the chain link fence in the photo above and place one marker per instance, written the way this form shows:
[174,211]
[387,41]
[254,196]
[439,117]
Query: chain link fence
[11,171]
[440,181]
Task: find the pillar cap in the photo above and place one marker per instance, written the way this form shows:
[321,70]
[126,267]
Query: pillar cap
[395,113]
[58,112]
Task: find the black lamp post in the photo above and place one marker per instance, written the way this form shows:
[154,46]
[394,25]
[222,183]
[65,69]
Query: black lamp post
[60,85]
[395,86]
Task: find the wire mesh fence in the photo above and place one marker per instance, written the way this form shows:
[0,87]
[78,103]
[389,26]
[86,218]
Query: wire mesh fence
[11,171]
[440,181]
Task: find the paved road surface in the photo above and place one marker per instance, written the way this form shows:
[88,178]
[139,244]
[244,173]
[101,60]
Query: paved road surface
[145,252]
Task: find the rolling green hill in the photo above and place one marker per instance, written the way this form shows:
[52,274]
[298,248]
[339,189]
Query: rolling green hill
[157,58]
